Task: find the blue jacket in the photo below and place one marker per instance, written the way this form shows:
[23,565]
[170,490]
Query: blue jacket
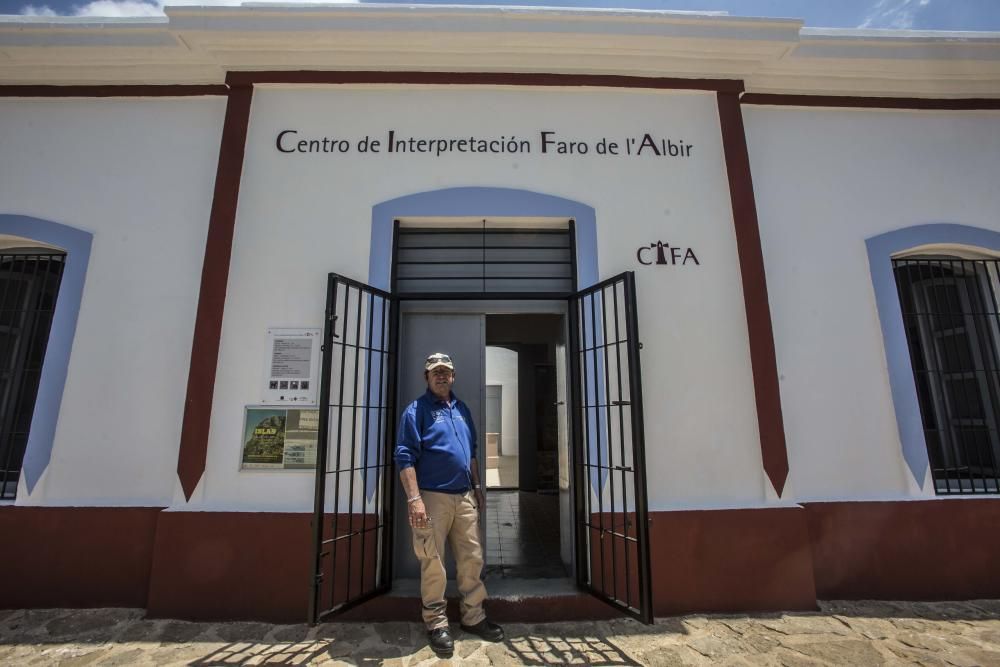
[438,439]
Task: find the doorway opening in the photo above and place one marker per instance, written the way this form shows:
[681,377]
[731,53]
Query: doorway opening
[511,370]
[374,343]
[528,502]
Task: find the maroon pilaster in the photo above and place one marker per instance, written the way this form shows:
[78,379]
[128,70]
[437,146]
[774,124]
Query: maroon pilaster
[212,299]
[762,356]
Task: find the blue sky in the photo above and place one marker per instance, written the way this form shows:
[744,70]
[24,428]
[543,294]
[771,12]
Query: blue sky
[904,14]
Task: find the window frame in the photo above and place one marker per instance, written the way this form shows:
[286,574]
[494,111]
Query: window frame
[880,249]
[19,231]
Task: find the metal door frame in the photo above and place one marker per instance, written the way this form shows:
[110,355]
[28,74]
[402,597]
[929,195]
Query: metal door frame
[579,454]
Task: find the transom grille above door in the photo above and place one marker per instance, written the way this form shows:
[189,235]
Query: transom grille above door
[484,258]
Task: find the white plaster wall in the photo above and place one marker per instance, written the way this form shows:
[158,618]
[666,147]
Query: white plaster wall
[139,175]
[826,180]
[301,216]
[501,369]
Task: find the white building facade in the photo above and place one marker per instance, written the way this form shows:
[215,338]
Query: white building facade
[800,227]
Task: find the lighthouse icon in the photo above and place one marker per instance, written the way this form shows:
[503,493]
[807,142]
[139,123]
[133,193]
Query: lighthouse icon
[661,258]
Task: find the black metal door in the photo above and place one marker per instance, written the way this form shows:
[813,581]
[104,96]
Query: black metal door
[352,529]
[612,531]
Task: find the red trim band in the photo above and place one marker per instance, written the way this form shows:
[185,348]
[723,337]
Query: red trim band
[762,355]
[113,91]
[964,104]
[483,78]
[212,297]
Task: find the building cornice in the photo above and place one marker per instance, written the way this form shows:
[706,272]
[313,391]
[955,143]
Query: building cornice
[201,45]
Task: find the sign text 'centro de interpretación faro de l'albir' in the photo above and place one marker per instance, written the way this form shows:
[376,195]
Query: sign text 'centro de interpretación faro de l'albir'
[547,142]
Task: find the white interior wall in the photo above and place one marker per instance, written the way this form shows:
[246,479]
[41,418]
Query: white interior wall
[501,369]
[138,174]
[825,180]
[303,215]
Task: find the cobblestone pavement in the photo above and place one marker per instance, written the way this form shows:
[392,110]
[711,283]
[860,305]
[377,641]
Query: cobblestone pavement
[842,633]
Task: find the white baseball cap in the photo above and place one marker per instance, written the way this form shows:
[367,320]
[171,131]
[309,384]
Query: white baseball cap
[438,359]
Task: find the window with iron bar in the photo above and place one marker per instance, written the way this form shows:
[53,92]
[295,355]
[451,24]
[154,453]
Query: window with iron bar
[29,285]
[950,314]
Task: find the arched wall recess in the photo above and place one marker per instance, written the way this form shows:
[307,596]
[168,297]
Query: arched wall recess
[881,250]
[76,243]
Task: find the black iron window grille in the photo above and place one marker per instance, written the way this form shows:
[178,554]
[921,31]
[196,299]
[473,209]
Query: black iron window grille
[29,285]
[483,259]
[952,323]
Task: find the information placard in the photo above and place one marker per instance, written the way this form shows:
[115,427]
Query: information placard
[291,370]
[279,438]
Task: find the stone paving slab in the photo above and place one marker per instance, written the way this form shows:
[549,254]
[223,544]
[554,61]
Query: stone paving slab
[959,634]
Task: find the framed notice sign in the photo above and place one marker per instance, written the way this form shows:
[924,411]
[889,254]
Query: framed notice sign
[279,438]
[291,372]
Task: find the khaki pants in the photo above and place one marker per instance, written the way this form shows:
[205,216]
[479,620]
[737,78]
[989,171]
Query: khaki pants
[453,518]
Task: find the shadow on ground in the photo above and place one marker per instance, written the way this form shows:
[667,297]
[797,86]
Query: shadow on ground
[520,649]
[124,634]
[867,632]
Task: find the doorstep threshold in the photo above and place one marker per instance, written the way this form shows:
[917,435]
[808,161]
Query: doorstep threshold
[499,589]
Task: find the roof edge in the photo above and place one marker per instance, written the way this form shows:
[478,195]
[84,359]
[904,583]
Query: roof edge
[905,36]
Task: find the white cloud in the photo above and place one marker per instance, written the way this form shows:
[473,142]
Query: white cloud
[33,10]
[119,8]
[115,8]
[899,14]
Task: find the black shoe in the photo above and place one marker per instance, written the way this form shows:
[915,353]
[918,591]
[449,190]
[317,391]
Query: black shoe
[491,632]
[441,642]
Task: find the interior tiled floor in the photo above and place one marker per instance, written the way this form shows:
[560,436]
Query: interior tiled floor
[502,471]
[522,535]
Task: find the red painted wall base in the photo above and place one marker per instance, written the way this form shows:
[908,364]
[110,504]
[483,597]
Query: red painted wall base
[75,556]
[731,560]
[921,550]
[231,565]
[228,565]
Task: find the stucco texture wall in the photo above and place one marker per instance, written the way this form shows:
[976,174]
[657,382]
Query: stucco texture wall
[137,174]
[825,181]
[302,215]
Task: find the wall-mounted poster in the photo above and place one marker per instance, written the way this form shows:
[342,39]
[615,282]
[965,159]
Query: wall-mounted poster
[291,371]
[279,438]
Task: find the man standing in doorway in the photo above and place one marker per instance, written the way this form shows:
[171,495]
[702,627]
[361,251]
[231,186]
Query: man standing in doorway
[436,457]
